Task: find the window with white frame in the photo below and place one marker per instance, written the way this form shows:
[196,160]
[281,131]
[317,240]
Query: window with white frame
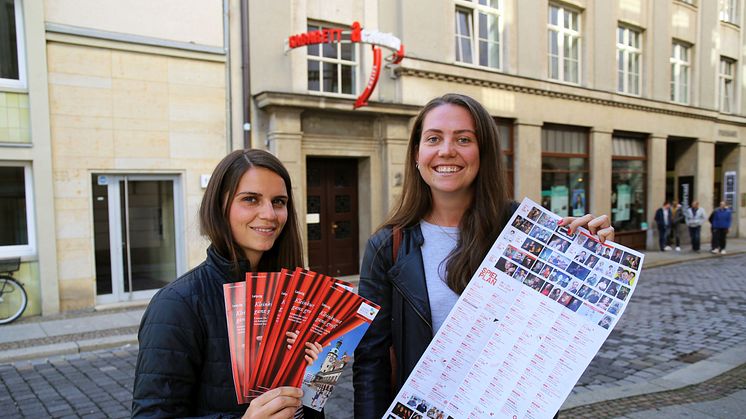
[478,33]
[729,11]
[629,60]
[726,89]
[564,44]
[17,235]
[12,64]
[332,67]
[680,72]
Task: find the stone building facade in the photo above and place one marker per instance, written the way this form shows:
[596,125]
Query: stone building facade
[113,115]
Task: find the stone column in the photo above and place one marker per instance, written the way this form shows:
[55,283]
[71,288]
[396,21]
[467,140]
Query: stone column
[656,180]
[738,204]
[527,160]
[705,174]
[600,172]
[284,137]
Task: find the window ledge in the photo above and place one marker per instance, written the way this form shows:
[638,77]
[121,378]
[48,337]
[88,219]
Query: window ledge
[479,67]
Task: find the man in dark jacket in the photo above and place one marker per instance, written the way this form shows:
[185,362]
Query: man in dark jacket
[664,221]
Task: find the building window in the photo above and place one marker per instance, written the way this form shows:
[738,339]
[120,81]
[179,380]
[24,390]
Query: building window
[564,170]
[478,32]
[628,182]
[680,73]
[17,236]
[332,67]
[729,11]
[726,86]
[564,44]
[629,56]
[12,65]
[505,134]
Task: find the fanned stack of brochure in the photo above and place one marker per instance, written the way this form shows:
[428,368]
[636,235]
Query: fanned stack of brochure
[316,307]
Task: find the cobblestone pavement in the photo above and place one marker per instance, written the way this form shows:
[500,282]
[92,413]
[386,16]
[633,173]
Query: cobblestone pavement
[680,314]
[89,385]
[685,402]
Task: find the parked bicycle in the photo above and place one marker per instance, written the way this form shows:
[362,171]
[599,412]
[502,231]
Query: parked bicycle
[13,298]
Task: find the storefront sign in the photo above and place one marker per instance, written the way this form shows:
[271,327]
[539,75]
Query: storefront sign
[729,192]
[356,34]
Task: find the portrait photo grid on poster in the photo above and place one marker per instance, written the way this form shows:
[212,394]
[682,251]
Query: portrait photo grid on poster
[532,318]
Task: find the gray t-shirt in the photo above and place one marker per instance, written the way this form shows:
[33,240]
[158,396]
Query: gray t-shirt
[439,242]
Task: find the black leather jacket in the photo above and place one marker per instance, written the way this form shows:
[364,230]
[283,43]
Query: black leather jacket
[183,365]
[401,292]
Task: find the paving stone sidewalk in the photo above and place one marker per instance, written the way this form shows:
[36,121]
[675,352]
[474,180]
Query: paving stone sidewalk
[691,401]
[680,314]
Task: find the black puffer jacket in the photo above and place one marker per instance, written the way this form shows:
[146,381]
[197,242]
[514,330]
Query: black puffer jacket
[183,366]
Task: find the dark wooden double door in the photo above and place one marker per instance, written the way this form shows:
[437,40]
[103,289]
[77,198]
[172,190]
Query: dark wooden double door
[332,215]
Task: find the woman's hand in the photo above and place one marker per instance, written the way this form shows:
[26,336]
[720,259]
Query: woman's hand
[312,349]
[278,403]
[600,226]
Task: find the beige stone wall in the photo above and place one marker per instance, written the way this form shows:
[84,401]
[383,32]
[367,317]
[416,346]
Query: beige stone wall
[116,111]
[194,21]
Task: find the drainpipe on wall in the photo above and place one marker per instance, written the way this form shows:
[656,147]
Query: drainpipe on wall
[227,49]
[246,88]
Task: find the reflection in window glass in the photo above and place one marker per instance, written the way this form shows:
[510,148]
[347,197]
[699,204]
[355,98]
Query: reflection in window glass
[628,180]
[14,231]
[564,170]
[332,67]
[9,68]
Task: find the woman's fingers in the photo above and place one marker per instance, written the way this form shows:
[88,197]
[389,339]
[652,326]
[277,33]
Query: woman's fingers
[281,402]
[292,336]
[600,226]
[312,352]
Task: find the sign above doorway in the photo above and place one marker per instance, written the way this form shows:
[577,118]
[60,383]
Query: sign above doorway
[356,34]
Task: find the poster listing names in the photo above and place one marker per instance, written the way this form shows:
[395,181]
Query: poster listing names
[534,315]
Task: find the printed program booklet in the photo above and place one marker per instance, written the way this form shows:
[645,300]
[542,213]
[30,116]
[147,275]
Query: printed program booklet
[533,316]
[318,308]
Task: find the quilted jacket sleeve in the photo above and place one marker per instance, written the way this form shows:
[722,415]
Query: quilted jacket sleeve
[169,360]
[372,366]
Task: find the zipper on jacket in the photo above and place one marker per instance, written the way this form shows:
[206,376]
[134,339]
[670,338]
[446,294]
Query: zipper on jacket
[413,305]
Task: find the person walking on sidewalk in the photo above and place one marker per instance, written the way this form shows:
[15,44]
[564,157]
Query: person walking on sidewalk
[721,219]
[695,217]
[679,219]
[663,219]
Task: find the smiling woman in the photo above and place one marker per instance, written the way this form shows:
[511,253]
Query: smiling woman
[183,365]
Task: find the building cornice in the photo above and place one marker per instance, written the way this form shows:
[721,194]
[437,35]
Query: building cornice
[129,42]
[268,100]
[631,103]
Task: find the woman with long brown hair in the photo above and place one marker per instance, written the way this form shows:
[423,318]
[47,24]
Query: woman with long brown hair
[454,204]
[183,364]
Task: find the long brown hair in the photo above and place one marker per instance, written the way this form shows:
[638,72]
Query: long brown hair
[489,209]
[215,207]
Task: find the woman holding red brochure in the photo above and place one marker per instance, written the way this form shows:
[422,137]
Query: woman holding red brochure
[453,205]
[184,364]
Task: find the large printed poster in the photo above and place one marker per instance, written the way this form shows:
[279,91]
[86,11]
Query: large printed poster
[534,315]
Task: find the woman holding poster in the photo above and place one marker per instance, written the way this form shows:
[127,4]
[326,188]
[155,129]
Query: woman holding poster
[184,364]
[453,205]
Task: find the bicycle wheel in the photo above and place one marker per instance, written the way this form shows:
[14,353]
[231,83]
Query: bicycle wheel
[13,299]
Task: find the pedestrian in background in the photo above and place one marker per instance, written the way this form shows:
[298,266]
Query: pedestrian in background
[663,219]
[677,226]
[695,217]
[721,219]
